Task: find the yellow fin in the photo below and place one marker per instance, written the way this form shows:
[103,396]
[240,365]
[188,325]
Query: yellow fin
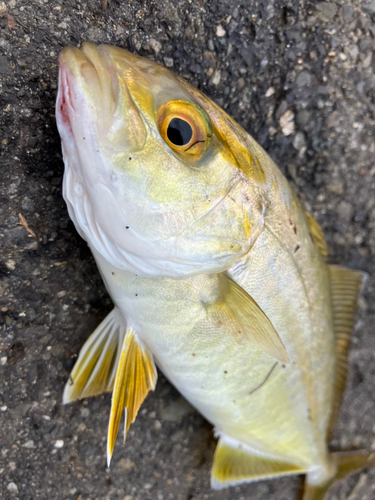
[317,235]
[235,464]
[136,376]
[346,463]
[95,369]
[345,286]
[241,310]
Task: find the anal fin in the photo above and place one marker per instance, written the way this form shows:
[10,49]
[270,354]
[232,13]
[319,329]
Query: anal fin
[136,375]
[235,464]
[345,286]
[95,369]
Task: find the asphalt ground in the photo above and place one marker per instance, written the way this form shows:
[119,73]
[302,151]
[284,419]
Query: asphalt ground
[299,76]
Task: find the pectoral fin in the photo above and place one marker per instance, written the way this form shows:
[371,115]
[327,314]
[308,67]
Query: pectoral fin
[95,368]
[136,375]
[238,308]
[235,463]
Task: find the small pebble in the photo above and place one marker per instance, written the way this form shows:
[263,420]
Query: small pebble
[27,205]
[156,45]
[347,13]
[3,9]
[12,487]
[272,131]
[299,141]
[326,11]
[353,52]
[287,122]
[59,443]
[216,77]
[29,444]
[220,31]
[241,83]
[11,265]
[168,61]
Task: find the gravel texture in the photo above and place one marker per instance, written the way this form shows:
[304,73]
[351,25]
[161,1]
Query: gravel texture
[299,77]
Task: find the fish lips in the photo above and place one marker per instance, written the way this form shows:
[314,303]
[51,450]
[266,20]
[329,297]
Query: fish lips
[86,93]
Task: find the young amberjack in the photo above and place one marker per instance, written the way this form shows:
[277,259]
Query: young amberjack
[218,274]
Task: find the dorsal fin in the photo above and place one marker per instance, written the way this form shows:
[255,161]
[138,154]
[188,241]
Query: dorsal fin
[345,286]
[235,463]
[135,377]
[317,235]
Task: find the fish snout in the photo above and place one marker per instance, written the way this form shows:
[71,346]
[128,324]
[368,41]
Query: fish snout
[85,88]
[92,89]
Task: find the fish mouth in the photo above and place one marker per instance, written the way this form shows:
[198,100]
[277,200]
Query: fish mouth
[64,105]
[87,83]
[94,95]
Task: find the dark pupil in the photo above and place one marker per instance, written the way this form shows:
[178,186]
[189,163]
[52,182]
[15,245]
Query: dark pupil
[179,132]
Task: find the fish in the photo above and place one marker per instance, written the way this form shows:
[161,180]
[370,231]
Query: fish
[218,275]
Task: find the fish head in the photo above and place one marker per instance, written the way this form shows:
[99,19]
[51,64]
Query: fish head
[158,179]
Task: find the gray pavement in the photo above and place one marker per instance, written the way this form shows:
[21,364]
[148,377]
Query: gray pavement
[299,76]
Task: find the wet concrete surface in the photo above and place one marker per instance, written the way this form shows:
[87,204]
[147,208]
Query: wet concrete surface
[299,76]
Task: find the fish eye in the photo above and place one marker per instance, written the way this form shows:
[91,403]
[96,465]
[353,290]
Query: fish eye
[185,127]
[179,132]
